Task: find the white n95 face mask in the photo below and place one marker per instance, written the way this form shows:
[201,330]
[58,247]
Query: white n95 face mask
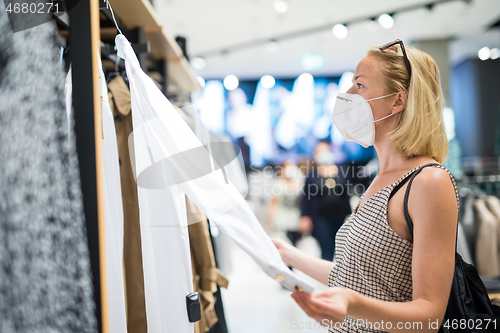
[353,117]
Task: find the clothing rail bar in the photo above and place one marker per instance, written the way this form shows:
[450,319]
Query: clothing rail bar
[481,179]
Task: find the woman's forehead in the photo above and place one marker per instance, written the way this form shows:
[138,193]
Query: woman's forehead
[369,67]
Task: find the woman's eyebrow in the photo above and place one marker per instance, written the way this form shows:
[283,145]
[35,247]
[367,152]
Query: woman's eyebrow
[357,77]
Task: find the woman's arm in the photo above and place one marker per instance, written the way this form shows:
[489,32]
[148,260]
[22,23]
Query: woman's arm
[434,212]
[316,268]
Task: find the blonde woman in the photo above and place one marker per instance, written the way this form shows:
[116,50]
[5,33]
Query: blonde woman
[386,278]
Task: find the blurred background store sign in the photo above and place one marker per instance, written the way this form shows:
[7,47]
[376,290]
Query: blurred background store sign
[312,61]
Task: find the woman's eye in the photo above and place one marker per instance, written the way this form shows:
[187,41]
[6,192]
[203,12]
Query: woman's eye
[359,85]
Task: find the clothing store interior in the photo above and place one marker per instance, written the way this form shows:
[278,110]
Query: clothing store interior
[157,157]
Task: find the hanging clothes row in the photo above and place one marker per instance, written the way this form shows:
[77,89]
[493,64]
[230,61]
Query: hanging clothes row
[206,278]
[480,218]
[158,249]
[161,139]
[119,96]
[45,275]
[113,206]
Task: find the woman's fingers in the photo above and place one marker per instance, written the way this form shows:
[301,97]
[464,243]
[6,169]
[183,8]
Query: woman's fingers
[330,306]
[277,242]
[335,306]
[302,302]
[332,299]
[305,302]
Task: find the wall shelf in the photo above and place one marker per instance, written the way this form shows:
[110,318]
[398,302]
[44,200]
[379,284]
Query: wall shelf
[140,13]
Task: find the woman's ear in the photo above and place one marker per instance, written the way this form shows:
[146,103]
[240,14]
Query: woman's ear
[400,102]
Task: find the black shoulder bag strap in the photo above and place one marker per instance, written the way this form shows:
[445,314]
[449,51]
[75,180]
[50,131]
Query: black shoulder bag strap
[468,269]
[401,184]
[408,220]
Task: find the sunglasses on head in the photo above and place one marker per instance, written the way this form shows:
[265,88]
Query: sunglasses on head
[400,42]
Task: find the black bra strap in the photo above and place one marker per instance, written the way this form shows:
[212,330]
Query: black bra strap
[397,187]
[406,179]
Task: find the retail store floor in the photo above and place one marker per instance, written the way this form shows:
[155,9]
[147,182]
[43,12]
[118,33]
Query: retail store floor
[255,302]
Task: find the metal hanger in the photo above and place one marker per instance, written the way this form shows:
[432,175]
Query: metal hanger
[104,4]
[114,19]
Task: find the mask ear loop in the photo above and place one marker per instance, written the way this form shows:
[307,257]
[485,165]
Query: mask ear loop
[392,114]
[372,99]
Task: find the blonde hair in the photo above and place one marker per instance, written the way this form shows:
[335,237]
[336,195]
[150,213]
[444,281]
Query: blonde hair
[420,128]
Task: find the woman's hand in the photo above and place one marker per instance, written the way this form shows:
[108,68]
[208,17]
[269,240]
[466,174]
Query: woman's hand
[316,268]
[284,249]
[328,306]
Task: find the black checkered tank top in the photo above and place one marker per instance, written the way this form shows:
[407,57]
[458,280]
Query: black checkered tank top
[370,257]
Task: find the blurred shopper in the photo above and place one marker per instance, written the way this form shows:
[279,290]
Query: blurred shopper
[385,270]
[284,209]
[325,203]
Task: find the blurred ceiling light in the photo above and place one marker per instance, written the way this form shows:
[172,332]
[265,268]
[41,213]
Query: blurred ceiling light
[198,63]
[484,53]
[273,46]
[201,81]
[340,31]
[231,82]
[494,53]
[371,25]
[267,81]
[305,79]
[312,61]
[280,6]
[386,21]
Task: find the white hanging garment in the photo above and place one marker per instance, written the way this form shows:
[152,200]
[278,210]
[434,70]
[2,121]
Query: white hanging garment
[168,155]
[117,321]
[235,169]
[462,247]
[487,256]
[68,95]
[168,277]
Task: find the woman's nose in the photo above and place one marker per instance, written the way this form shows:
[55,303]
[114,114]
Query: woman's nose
[351,90]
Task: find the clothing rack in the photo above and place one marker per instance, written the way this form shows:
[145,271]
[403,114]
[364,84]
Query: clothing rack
[480,166]
[481,179]
[85,26]
[482,185]
[84,40]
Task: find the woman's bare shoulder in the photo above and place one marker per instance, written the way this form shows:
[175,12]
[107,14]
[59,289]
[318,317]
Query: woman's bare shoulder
[434,187]
[433,177]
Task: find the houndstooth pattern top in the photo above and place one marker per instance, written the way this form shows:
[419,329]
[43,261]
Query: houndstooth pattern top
[371,258]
